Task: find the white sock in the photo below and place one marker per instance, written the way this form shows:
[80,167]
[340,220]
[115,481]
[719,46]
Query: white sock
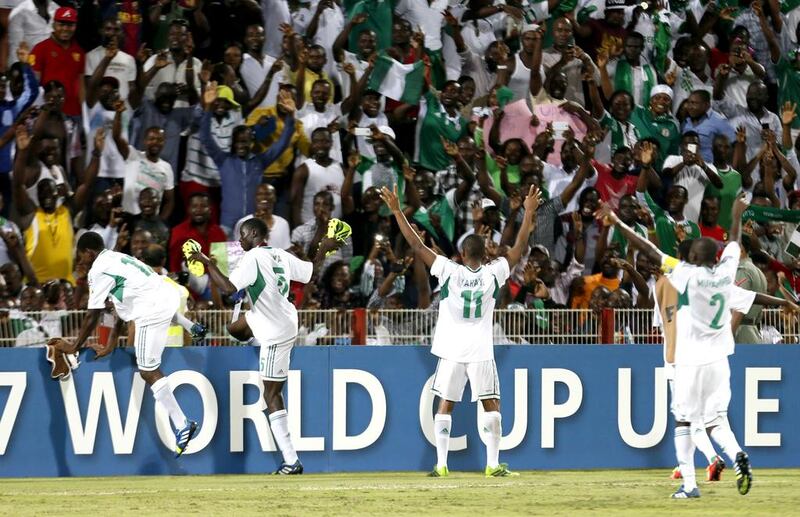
[183,321]
[491,431]
[684,451]
[163,395]
[279,423]
[726,440]
[702,442]
[442,424]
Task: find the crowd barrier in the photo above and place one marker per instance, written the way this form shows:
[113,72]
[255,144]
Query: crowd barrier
[405,327]
[368,408]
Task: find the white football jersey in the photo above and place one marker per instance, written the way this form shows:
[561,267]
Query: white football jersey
[137,292]
[705,300]
[466,308]
[265,274]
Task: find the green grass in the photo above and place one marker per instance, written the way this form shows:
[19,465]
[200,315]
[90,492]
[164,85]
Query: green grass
[630,492]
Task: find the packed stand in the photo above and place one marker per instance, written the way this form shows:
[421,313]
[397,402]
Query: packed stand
[156,122]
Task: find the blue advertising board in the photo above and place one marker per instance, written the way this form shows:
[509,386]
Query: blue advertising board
[368,408]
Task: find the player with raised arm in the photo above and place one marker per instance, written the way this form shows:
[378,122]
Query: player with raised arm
[265,274]
[141,295]
[463,337]
[704,339]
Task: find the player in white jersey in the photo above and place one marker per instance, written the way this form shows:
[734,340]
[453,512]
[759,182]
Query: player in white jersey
[265,274]
[463,337]
[704,340]
[140,295]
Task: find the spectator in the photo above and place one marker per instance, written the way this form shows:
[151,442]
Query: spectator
[279,234]
[319,173]
[201,174]
[607,33]
[438,121]
[749,277]
[197,226]
[366,43]
[568,58]
[257,66]
[691,171]
[60,58]
[241,171]
[584,287]
[701,119]
[144,169]
[694,77]
[29,22]
[12,248]
[731,179]
[709,217]
[174,66]
[755,118]
[631,71]
[108,60]
[734,78]
[48,224]
[148,220]
[305,238]
[656,121]
[9,111]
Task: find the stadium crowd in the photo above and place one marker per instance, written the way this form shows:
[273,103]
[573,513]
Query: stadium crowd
[160,121]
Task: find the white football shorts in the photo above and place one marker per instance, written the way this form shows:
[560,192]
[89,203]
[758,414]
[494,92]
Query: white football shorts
[451,377]
[273,360]
[149,342]
[701,393]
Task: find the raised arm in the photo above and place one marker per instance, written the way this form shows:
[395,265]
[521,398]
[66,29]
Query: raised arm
[93,82]
[277,149]
[23,203]
[608,217]
[341,40]
[78,201]
[412,238]
[116,130]
[739,206]
[531,205]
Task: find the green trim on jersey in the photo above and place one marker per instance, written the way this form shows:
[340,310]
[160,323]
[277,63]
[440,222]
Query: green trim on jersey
[683,298]
[255,290]
[496,294]
[119,286]
[445,289]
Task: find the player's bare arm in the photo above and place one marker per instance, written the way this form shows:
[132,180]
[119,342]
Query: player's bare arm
[531,205]
[221,281]
[412,238]
[607,216]
[90,322]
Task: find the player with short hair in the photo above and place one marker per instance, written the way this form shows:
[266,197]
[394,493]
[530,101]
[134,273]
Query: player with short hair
[141,295]
[704,339]
[265,274]
[463,337]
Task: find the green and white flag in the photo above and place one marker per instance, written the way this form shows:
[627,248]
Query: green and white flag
[227,255]
[793,248]
[397,81]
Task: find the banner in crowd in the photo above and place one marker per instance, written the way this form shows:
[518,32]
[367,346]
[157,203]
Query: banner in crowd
[369,408]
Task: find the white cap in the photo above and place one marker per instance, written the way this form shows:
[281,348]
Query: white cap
[487,203]
[528,27]
[386,130]
[660,88]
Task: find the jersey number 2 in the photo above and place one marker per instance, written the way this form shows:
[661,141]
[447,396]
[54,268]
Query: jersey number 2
[717,299]
[471,297]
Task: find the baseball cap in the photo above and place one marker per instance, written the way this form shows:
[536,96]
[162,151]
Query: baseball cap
[615,4]
[66,15]
[541,249]
[488,203]
[386,130]
[225,93]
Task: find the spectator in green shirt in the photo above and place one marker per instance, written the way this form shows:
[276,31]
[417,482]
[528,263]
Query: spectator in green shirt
[731,179]
[788,71]
[656,121]
[672,227]
[438,118]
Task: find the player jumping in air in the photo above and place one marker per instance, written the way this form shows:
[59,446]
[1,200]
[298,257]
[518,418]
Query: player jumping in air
[463,336]
[703,342]
[265,273]
[140,295]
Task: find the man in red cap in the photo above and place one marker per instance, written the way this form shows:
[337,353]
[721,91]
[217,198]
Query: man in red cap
[60,58]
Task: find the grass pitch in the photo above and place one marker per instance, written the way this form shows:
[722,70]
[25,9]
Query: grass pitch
[629,492]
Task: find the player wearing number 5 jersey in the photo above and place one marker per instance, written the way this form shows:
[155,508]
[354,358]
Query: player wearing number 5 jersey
[463,337]
[703,341]
[265,274]
[141,295]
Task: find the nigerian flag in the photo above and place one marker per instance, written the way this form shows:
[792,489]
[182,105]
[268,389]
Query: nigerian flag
[443,209]
[397,81]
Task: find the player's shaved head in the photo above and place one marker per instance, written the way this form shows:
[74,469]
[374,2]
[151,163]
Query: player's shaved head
[473,247]
[91,241]
[253,233]
[703,252]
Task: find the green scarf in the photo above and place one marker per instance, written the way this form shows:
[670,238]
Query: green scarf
[623,78]
[789,5]
[765,214]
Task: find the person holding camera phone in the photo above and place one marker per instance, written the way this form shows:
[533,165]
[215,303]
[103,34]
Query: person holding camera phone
[691,171]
